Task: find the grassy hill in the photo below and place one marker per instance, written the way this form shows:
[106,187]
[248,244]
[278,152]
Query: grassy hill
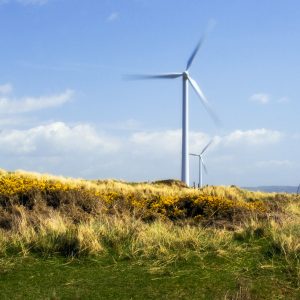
[66,238]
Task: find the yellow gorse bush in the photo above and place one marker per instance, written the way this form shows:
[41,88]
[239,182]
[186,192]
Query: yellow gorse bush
[149,199]
[13,184]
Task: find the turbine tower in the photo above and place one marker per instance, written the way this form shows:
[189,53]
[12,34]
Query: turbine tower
[201,163]
[186,80]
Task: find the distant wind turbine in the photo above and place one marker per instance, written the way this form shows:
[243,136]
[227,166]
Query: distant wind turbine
[185,106]
[201,163]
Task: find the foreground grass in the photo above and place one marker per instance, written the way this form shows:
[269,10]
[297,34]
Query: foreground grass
[165,262]
[66,239]
[215,276]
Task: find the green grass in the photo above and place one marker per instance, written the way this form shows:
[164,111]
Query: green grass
[248,274]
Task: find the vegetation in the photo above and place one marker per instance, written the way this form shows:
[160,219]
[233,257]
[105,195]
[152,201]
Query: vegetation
[114,240]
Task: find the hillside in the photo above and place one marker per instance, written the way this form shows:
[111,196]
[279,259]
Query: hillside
[216,243]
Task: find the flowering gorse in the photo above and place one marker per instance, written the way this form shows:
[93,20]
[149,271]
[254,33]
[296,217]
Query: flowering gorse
[147,200]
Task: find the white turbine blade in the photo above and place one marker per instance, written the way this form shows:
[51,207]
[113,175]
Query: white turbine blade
[194,154]
[205,148]
[203,99]
[190,61]
[204,166]
[209,28]
[198,91]
[150,76]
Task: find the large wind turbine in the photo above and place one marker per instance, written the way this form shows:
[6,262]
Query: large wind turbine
[186,78]
[201,163]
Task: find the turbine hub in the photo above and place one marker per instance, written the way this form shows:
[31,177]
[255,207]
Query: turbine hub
[185,74]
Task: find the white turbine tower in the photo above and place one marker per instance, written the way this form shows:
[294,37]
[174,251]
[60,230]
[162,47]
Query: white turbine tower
[201,163]
[186,78]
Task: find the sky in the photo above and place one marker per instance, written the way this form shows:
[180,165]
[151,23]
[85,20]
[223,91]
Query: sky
[66,109]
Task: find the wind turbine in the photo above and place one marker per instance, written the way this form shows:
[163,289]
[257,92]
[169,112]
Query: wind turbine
[186,78]
[201,162]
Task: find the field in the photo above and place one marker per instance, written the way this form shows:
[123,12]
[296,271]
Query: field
[66,238]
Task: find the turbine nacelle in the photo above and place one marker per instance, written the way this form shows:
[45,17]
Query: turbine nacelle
[185,75]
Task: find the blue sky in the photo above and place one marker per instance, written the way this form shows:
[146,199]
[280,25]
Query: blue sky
[65,109]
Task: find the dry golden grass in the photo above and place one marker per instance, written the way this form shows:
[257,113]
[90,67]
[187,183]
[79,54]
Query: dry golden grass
[125,236]
[47,215]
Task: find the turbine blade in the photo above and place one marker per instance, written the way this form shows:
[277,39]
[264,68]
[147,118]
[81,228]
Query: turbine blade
[204,166]
[205,148]
[150,76]
[194,154]
[204,101]
[209,28]
[190,61]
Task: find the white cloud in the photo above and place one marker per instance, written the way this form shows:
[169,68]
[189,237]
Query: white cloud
[56,139]
[5,89]
[81,150]
[29,104]
[113,17]
[261,98]
[159,141]
[167,142]
[251,137]
[13,121]
[158,154]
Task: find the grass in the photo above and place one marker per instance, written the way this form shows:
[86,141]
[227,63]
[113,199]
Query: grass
[66,239]
[214,276]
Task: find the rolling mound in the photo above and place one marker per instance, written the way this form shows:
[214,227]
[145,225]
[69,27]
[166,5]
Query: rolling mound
[79,200]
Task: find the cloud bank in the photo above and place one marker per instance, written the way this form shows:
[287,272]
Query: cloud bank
[84,151]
